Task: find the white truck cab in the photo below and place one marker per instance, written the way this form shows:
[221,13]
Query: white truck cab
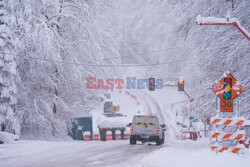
[147,128]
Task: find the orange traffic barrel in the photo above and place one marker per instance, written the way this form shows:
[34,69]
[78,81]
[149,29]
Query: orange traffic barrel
[86,136]
[96,137]
[117,135]
[108,136]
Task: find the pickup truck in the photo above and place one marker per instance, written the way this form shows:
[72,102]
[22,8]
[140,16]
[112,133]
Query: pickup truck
[147,128]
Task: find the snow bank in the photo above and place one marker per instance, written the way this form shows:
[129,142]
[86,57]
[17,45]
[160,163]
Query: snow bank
[193,154]
[6,137]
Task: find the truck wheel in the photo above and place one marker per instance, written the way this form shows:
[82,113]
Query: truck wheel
[162,141]
[158,142]
[132,140]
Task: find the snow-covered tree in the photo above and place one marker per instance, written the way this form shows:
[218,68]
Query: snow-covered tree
[56,36]
[8,73]
[48,46]
[166,31]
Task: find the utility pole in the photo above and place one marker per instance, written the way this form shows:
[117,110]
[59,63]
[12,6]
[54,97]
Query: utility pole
[205,125]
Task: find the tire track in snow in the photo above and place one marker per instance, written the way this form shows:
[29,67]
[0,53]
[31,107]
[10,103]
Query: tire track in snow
[165,117]
[152,103]
[145,102]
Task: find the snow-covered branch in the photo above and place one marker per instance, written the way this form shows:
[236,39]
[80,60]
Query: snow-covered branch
[223,21]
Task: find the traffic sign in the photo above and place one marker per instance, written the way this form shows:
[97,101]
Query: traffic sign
[227,89]
[226,85]
[226,105]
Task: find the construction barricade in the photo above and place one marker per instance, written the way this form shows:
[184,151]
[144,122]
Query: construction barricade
[190,133]
[227,121]
[227,135]
[236,149]
[107,135]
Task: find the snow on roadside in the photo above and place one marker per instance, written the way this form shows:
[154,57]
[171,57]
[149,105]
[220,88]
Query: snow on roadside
[36,153]
[6,137]
[31,147]
[160,105]
[193,154]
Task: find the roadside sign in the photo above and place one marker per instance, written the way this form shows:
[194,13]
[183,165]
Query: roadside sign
[227,89]
[193,119]
[79,126]
[226,105]
[227,85]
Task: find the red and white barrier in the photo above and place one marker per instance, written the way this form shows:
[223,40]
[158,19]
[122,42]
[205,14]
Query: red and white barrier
[234,135]
[126,136]
[117,135]
[227,122]
[86,136]
[236,150]
[108,136]
[96,137]
[240,135]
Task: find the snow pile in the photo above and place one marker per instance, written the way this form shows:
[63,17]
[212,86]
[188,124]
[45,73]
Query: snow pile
[6,137]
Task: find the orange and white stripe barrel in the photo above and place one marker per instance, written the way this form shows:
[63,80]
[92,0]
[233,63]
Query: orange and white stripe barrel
[117,135]
[126,136]
[86,136]
[96,137]
[108,136]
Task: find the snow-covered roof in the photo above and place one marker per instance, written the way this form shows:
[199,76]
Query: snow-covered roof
[112,124]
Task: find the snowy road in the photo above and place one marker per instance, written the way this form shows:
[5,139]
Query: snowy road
[68,154]
[115,153]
